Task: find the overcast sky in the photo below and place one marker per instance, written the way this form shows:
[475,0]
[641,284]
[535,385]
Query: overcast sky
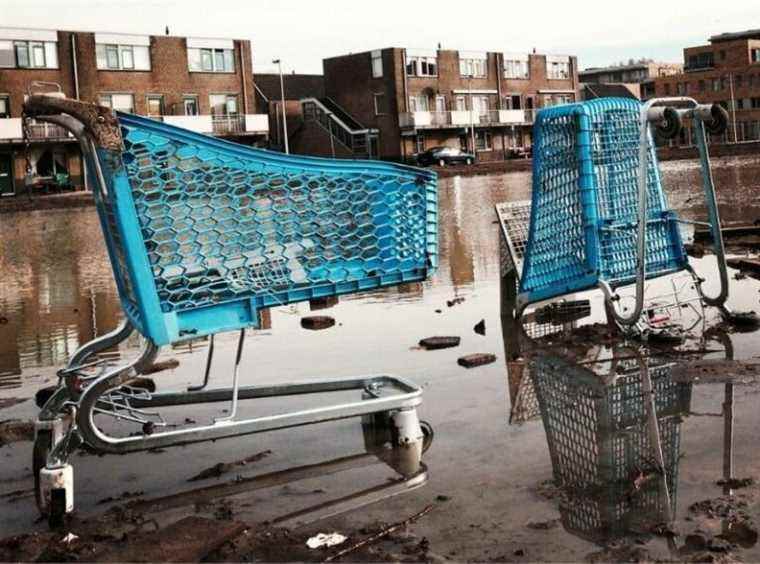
[303,32]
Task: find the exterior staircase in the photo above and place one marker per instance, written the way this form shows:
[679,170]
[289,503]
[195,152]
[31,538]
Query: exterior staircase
[346,137]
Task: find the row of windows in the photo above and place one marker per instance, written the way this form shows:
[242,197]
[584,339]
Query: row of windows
[44,55]
[28,54]
[221,104]
[479,103]
[716,84]
[478,68]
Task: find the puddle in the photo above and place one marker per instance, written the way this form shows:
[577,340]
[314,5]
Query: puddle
[523,466]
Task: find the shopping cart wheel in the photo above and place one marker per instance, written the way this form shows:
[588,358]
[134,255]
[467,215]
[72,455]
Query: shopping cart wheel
[719,122]
[747,320]
[670,126]
[43,442]
[427,435]
[57,512]
[43,395]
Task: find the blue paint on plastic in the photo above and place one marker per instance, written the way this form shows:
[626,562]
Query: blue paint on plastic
[585,202]
[203,233]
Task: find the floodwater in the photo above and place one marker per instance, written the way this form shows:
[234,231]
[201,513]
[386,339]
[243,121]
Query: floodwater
[56,292]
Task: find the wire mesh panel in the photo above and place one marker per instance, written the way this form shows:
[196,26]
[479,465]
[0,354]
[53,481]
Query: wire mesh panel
[584,213]
[600,447]
[213,231]
[514,220]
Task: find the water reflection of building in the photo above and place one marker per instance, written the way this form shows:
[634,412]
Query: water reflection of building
[603,445]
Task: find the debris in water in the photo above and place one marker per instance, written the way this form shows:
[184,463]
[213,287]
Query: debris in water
[455,301]
[317,322]
[696,250]
[480,327]
[326,302]
[543,525]
[736,483]
[15,430]
[223,467]
[69,538]
[477,359]
[745,265]
[325,539]
[160,366]
[382,533]
[439,311]
[434,343]
[122,497]
[10,402]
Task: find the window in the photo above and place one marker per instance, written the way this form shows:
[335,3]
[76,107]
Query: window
[223,104]
[422,66]
[190,104]
[557,69]
[700,61]
[516,68]
[473,67]
[155,105]
[377,64]
[460,104]
[755,102]
[513,102]
[756,55]
[109,56]
[480,104]
[717,85]
[681,88]
[210,60]
[482,141]
[120,102]
[5,107]
[29,54]
[440,103]
[419,143]
[419,103]
[381,104]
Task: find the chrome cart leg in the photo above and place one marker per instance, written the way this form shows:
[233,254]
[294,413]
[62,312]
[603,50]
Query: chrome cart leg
[235,382]
[410,440]
[100,344]
[209,358]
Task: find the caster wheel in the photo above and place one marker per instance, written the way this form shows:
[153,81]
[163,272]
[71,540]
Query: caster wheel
[57,513]
[427,435]
[43,442]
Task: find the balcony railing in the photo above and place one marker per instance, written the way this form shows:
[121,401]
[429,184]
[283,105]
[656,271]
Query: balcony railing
[243,124]
[464,118]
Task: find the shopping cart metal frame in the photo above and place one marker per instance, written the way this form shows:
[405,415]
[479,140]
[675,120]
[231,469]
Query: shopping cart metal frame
[89,387]
[662,114]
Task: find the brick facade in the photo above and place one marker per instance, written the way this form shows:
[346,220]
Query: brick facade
[169,77]
[722,72]
[349,81]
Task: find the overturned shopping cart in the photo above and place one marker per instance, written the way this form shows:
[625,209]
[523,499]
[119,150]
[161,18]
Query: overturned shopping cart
[599,217]
[203,235]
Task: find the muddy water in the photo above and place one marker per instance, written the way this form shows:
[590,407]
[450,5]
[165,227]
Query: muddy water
[56,292]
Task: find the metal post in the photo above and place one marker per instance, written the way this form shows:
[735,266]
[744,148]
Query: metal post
[332,140]
[278,62]
[235,382]
[733,104]
[472,121]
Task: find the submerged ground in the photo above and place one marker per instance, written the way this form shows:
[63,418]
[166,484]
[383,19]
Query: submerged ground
[490,481]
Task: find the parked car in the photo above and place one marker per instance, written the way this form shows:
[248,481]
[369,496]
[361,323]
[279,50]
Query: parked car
[521,152]
[443,156]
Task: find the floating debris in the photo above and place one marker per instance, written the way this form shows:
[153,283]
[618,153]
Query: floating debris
[325,539]
[15,431]
[480,327]
[455,301]
[326,302]
[317,322]
[736,483]
[223,467]
[435,343]
[160,366]
[477,359]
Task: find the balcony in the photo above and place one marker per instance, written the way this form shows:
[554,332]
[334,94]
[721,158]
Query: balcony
[463,118]
[244,124]
[11,130]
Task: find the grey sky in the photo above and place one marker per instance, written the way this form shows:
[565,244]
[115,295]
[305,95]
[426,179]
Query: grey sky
[302,32]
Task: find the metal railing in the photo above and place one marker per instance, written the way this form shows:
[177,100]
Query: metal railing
[40,130]
[357,141]
[463,118]
[228,124]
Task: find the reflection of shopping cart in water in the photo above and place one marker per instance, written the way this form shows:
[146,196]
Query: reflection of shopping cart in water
[614,443]
[203,235]
[599,217]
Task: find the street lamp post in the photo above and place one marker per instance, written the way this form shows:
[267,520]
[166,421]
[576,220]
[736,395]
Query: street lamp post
[278,62]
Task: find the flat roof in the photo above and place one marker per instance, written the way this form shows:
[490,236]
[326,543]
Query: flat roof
[105,31]
[731,36]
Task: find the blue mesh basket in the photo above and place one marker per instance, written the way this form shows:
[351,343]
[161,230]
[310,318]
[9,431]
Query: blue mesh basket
[584,202]
[202,233]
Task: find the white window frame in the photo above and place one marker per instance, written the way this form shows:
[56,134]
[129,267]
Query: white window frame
[557,69]
[420,66]
[229,99]
[210,58]
[188,98]
[472,67]
[122,57]
[160,99]
[107,100]
[39,54]
[419,103]
[7,103]
[377,64]
[487,140]
[516,69]
[375,97]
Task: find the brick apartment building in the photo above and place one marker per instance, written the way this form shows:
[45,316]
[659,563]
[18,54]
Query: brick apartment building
[394,103]
[198,83]
[725,71]
[636,76]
